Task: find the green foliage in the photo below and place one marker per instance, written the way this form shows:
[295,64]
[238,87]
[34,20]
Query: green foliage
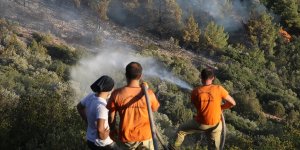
[292,134]
[32,83]
[288,64]
[161,17]
[253,59]
[254,80]
[191,31]
[47,122]
[61,52]
[164,126]
[262,74]
[289,12]
[174,104]
[215,37]
[249,106]
[263,32]
[38,57]
[293,117]
[240,123]
[8,102]
[276,108]
[43,38]
[236,140]
[179,66]
[60,68]
[271,142]
[242,77]
[169,18]
[7,27]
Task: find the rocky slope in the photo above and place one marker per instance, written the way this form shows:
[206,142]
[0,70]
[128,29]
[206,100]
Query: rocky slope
[80,27]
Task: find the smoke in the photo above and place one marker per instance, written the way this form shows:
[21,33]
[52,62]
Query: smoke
[76,26]
[112,61]
[228,13]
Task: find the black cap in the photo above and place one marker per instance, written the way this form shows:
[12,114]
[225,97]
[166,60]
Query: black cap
[103,84]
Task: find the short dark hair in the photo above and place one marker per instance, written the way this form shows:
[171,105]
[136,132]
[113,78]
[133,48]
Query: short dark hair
[133,71]
[207,73]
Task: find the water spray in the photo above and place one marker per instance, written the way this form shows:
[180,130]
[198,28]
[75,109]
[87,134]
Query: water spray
[108,62]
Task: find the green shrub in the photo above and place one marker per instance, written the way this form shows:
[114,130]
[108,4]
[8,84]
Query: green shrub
[248,105]
[276,108]
[215,37]
[63,53]
[271,142]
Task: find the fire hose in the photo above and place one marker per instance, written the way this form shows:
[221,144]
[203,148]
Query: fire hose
[155,134]
[153,130]
[223,132]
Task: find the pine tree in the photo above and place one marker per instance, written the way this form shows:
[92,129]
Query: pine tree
[170,15]
[101,7]
[263,32]
[215,36]
[289,12]
[191,32]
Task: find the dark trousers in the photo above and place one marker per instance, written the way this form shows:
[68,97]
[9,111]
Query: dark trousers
[92,146]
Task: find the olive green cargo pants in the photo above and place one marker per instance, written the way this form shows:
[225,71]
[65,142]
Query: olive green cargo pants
[190,127]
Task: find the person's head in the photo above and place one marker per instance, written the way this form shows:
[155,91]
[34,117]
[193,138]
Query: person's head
[104,85]
[207,74]
[133,71]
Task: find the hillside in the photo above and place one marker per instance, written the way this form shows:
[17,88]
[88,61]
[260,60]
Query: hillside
[51,51]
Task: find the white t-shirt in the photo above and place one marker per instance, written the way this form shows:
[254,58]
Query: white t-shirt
[95,109]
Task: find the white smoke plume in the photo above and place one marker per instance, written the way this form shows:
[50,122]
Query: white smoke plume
[228,13]
[112,61]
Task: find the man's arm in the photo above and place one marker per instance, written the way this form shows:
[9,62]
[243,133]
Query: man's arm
[103,132]
[112,119]
[194,98]
[81,111]
[112,124]
[111,106]
[153,100]
[229,102]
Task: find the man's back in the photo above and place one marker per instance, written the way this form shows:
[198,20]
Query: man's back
[131,104]
[207,100]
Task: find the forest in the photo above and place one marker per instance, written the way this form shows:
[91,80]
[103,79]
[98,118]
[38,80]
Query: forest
[254,47]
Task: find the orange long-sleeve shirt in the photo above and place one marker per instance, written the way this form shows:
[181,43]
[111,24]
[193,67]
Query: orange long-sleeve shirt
[207,100]
[131,105]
